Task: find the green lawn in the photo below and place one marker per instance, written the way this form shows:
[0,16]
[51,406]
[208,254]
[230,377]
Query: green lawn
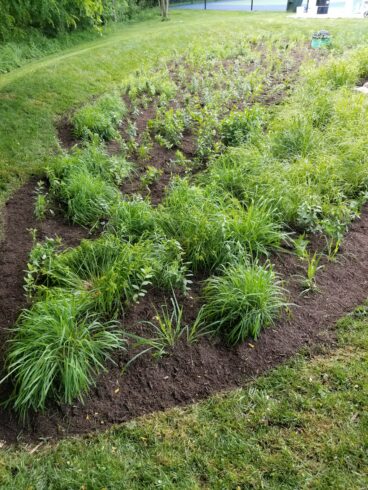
[303,426]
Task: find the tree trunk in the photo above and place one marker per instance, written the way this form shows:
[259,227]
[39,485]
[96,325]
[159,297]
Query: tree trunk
[164,7]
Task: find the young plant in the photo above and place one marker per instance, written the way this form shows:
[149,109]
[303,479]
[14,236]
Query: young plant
[196,329]
[301,247]
[167,329]
[309,282]
[56,351]
[143,151]
[238,126]
[181,160]
[170,270]
[40,265]
[151,175]
[170,125]
[333,247]
[245,299]
[41,204]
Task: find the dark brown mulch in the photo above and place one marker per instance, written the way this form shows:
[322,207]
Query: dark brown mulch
[19,221]
[190,372]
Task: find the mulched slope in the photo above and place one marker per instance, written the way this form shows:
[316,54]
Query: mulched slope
[189,373]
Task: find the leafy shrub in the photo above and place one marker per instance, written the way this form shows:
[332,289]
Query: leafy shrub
[56,351]
[238,126]
[118,11]
[101,117]
[170,125]
[245,299]
[49,16]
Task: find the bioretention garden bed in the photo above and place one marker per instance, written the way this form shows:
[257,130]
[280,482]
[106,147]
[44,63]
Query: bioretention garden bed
[217,164]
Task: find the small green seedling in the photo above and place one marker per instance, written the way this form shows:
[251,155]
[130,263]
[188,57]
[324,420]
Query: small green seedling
[151,175]
[167,328]
[309,282]
[301,247]
[333,247]
[41,204]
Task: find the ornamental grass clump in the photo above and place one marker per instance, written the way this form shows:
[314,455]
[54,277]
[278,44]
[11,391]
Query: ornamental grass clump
[242,301]
[93,158]
[132,219]
[110,274]
[197,221]
[256,228]
[56,350]
[100,118]
[87,198]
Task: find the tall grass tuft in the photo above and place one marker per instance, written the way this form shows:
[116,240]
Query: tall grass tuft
[132,219]
[93,158]
[110,273]
[100,118]
[242,301]
[256,228]
[197,221]
[88,198]
[56,351]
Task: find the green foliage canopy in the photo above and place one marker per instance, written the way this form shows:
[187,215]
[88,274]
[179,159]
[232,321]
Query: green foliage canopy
[53,16]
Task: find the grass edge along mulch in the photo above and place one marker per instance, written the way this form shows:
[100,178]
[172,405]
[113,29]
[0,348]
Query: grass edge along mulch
[303,425]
